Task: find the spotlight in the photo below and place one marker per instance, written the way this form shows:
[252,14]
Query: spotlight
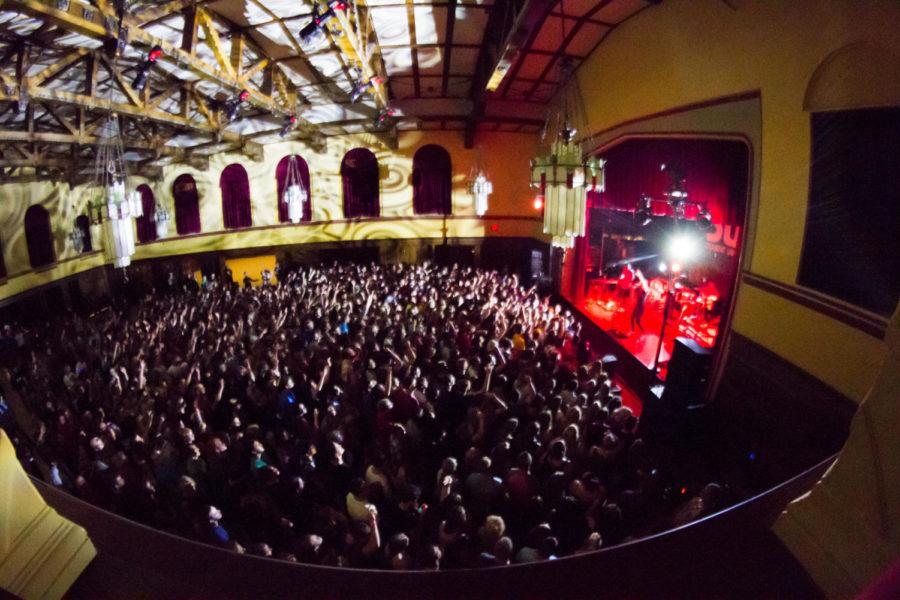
[140,80]
[233,106]
[383,116]
[683,247]
[289,122]
[314,31]
[538,202]
[662,267]
[363,87]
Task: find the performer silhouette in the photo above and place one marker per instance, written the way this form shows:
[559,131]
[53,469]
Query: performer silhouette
[640,294]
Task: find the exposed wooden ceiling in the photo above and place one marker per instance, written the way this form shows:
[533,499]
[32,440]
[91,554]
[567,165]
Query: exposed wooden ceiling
[430,60]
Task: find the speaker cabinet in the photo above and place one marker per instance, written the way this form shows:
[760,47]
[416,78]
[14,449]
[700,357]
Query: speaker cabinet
[688,374]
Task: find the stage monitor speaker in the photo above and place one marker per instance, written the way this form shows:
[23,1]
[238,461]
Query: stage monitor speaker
[688,374]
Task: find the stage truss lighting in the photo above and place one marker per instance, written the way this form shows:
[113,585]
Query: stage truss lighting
[313,33]
[289,122]
[233,106]
[140,80]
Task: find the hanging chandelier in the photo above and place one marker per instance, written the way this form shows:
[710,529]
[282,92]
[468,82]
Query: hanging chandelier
[295,195]
[560,173]
[162,217]
[480,186]
[112,206]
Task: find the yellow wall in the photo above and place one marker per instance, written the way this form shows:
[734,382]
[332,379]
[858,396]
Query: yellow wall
[504,155]
[688,51]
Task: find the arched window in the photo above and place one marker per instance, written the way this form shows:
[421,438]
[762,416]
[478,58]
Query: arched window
[281,176]
[359,174]
[432,181]
[39,236]
[83,223]
[146,223]
[187,205]
[235,188]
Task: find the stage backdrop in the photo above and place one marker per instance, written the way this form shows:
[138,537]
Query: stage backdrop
[715,174]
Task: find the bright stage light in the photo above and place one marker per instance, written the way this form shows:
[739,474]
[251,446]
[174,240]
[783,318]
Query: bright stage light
[662,267]
[538,202]
[683,247]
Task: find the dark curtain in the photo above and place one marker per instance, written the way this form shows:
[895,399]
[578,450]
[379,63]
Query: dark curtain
[715,173]
[359,175]
[432,181]
[235,188]
[84,224]
[850,242]
[146,223]
[187,205]
[2,263]
[280,177]
[39,236]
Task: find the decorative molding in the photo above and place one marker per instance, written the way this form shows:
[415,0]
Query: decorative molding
[863,320]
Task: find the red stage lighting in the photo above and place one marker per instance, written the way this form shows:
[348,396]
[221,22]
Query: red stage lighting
[495,228]
[155,53]
[538,202]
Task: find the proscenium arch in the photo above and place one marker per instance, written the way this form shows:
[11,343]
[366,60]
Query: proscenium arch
[432,181]
[360,182]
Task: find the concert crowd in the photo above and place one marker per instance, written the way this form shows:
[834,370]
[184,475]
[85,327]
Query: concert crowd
[395,417]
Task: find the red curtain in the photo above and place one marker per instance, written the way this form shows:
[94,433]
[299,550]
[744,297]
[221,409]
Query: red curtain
[39,236]
[280,177]
[2,263]
[359,174]
[235,188]
[432,181]
[715,173]
[146,224]
[84,224]
[187,205]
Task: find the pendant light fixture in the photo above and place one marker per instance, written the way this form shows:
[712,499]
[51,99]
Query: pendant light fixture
[560,174]
[295,195]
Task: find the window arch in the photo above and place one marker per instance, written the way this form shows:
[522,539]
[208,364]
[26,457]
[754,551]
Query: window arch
[280,177]
[146,223]
[432,181]
[359,175]
[235,186]
[39,236]
[187,205]
[83,223]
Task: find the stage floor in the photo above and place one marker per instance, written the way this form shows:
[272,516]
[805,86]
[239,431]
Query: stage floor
[642,344]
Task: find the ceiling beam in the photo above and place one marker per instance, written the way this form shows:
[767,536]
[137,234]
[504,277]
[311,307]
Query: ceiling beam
[561,51]
[100,23]
[448,45]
